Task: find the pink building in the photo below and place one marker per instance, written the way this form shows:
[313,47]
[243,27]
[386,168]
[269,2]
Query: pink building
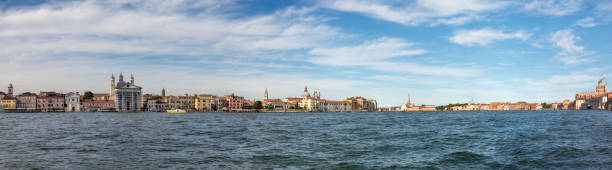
[98,103]
[236,103]
[50,102]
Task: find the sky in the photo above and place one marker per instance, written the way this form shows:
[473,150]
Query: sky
[435,51]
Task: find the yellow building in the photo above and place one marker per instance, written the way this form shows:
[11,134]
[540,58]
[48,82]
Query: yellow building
[205,102]
[9,102]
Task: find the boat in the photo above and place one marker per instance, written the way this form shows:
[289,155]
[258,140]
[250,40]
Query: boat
[176,111]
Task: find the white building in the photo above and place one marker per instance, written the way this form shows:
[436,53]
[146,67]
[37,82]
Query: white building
[309,104]
[73,102]
[127,95]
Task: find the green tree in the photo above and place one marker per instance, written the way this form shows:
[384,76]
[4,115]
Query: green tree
[257,105]
[156,97]
[88,95]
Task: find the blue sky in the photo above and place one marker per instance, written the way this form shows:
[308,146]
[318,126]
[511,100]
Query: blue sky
[437,51]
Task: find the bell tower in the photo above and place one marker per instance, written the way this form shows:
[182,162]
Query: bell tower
[10,90]
[266,94]
[132,79]
[112,85]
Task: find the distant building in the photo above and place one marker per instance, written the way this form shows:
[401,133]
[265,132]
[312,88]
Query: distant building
[26,102]
[156,105]
[221,104]
[236,103]
[9,103]
[276,105]
[99,103]
[51,102]
[127,95]
[333,106]
[186,102]
[308,103]
[597,99]
[205,102]
[361,104]
[74,102]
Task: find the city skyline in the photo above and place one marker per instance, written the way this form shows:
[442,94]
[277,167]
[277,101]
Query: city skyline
[436,51]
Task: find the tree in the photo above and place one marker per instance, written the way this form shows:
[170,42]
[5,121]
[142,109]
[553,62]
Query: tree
[156,97]
[257,105]
[88,95]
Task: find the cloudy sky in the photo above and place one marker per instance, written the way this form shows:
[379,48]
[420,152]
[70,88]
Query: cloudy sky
[437,51]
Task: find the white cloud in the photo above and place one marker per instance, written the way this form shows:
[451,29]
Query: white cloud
[485,36]
[100,25]
[570,52]
[378,54]
[604,10]
[363,54]
[554,7]
[586,22]
[558,87]
[433,12]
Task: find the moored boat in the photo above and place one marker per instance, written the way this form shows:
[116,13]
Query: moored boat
[176,111]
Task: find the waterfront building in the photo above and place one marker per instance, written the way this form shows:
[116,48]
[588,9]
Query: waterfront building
[74,102]
[156,105]
[293,101]
[565,105]
[236,103]
[579,104]
[411,107]
[9,103]
[185,102]
[535,106]
[51,102]
[597,99]
[519,106]
[144,99]
[308,103]
[2,94]
[555,106]
[427,108]
[205,102]
[333,106]
[361,104]
[127,95]
[221,104]
[407,106]
[26,102]
[276,105]
[99,103]
[609,104]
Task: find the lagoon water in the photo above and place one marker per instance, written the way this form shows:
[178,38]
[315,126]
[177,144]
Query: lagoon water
[393,140]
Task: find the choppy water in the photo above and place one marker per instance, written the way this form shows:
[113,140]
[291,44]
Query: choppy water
[386,140]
